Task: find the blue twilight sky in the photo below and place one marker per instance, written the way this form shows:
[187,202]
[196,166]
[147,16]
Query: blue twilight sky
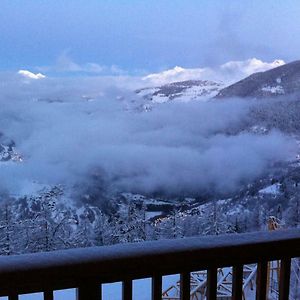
[146,35]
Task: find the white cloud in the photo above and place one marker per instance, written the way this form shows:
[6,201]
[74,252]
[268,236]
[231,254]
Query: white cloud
[30,75]
[93,68]
[249,66]
[176,74]
[65,64]
[228,72]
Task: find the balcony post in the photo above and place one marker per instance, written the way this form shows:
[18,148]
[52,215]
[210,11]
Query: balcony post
[284,281]
[90,291]
[156,287]
[185,286]
[127,290]
[48,295]
[212,277]
[261,280]
[237,282]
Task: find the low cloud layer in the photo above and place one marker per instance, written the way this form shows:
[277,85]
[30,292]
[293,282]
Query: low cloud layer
[68,129]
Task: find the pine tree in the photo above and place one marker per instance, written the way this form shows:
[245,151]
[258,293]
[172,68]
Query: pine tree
[101,230]
[292,214]
[7,230]
[259,218]
[172,226]
[51,228]
[214,221]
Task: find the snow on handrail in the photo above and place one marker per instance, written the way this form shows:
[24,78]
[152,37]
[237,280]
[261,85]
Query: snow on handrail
[70,268]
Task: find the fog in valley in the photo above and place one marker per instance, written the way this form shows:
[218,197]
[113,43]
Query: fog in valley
[67,130]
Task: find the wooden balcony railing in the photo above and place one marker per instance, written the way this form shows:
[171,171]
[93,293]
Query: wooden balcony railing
[86,269]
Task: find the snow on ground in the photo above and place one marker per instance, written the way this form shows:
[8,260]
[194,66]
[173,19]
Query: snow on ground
[160,99]
[152,214]
[147,91]
[155,202]
[278,89]
[200,93]
[273,189]
[258,129]
[8,153]
[134,197]
[236,210]
[189,200]
[183,91]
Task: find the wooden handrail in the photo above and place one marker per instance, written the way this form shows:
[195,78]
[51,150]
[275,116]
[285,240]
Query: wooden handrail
[75,268]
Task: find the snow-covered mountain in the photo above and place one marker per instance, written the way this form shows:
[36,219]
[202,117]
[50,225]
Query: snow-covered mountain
[199,84]
[283,80]
[228,72]
[8,151]
[183,91]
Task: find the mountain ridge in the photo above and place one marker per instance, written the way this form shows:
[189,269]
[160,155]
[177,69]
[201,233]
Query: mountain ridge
[282,80]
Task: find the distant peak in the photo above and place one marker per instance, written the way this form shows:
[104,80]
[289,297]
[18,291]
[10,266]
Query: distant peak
[279,62]
[30,75]
[283,79]
[250,66]
[228,72]
[178,69]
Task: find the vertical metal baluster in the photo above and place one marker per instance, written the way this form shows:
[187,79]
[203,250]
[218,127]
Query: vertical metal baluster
[89,292]
[185,286]
[261,280]
[127,290]
[48,295]
[211,292]
[237,282]
[156,287]
[284,281]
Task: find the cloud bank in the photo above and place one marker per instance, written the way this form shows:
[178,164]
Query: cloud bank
[69,129]
[228,72]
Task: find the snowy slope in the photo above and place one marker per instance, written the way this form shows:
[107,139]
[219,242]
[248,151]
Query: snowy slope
[283,80]
[183,91]
[8,150]
[201,84]
[8,153]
